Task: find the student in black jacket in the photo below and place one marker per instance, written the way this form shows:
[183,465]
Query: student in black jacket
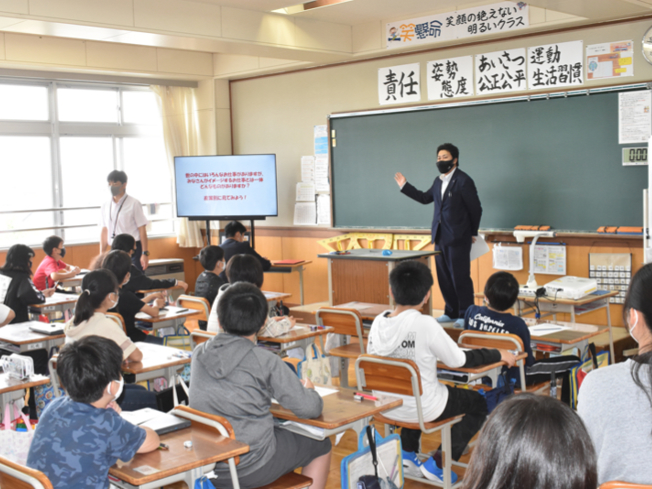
[208,283]
[234,244]
[138,280]
[21,293]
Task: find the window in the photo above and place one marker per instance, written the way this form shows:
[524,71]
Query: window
[97,128]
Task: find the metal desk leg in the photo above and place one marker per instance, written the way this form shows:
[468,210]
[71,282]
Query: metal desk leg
[572,311]
[612,358]
[301,283]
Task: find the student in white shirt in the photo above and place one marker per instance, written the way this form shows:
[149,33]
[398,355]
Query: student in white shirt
[407,333]
[124,214]
[6,315]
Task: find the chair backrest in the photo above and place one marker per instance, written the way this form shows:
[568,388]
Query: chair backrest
[114,316]
[343,321]
[395,375]
[623,485]
[484,339]
[197,304]
[198,337]
[54,377]
[18,476]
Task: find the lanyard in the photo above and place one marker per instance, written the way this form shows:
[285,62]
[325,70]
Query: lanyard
[116,216]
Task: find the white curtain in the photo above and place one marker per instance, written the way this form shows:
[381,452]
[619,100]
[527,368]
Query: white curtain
[178,106]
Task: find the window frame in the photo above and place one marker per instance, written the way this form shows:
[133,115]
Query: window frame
[55,129]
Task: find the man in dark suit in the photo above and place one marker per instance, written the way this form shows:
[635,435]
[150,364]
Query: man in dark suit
[454,229]
[235,244]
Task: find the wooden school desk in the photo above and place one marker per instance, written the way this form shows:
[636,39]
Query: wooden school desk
[552,307]
[341,412]
[75,281]
[281,267]
[273,297]
[58,302]
[576,336]
[491,370]
[172,318]
[367,310]
[19,338]
[363,275]
[11,389]
[162,467]
[158,361]
[298,337]
[173,292]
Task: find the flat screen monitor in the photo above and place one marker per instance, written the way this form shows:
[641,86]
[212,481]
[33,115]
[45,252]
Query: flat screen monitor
[226,187]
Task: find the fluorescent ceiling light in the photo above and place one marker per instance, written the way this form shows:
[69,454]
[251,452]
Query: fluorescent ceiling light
[304,7]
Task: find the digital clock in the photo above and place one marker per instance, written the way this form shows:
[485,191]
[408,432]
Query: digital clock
[635,156]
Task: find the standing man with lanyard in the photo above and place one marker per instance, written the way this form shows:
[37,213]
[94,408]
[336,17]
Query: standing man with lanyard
[454,229]
[124,214]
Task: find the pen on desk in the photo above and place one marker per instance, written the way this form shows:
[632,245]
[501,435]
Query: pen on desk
[163,446]
[366,396]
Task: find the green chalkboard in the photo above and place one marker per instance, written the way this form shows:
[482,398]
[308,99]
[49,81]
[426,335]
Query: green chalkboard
[550,162]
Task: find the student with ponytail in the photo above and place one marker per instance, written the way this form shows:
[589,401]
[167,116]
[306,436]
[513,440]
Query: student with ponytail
[99,294]
[616,402]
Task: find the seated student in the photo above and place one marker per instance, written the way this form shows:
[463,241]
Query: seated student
[21,293]
[99,294]
[407,333]
[7,315]
[235,244]
[209,282]
[534,442]
[53,269]
[500,293]
[128,304]
[233,378]
[244,268]
[81,435]
[138,280]
[615,401]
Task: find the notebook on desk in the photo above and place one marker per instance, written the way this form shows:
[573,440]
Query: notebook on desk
[49,329]
[166,423]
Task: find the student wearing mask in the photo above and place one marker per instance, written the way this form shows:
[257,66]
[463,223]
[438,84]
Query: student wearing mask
[455,226]
[53,269]
[615,402]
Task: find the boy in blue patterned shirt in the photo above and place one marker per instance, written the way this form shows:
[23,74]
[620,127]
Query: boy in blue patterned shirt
[81,435]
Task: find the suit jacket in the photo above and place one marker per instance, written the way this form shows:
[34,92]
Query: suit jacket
[232,247]
[457,215]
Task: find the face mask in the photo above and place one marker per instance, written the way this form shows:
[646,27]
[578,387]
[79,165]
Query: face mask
[121,384]
[631,328]
[115,304]
[115,190]
[63,252]
[444,166]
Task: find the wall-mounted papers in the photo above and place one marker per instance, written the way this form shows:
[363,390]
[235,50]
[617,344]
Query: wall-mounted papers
[321,140]
[399,84]
[507,257]
[550,259]
[305,214]
[610,60]
[307,168]
[500,71]
[321,175]
[305,192]
[450,78]
[634,119]
[555,65]
[324,210]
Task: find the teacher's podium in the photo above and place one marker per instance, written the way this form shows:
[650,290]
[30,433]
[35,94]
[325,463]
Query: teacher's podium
[362,275]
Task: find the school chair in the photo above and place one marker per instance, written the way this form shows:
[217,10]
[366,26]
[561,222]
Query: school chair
[623,485]
[401,376]
[198,304]
[117,318]
[345,322]
[504,341]
[197,337]
[16,476]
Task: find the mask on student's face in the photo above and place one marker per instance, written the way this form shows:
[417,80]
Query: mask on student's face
[121,384]
[631,328]
[444,166]
[115,190]
[63,252]
[117,299]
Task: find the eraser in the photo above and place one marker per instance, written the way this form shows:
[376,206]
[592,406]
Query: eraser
[187,444]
